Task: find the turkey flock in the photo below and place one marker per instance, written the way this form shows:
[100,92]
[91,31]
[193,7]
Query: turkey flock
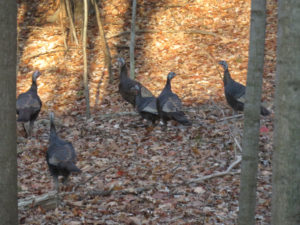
[61,156]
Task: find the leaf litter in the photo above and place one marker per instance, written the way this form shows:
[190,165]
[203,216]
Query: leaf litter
[133,174]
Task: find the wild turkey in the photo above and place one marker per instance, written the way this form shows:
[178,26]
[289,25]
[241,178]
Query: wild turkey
[146,106]
[169,105]
[235,92]
[60,156]
[126,85]
[29,105]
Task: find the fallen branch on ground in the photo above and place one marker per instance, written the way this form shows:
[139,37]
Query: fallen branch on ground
[231,117]
[47,201]
[237,144]
[217,174]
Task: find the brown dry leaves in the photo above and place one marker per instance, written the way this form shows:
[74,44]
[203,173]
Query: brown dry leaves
[132,174]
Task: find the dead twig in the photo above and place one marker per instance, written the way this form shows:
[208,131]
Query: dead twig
[137,191]
[231,117]
[217,174]
[237,143]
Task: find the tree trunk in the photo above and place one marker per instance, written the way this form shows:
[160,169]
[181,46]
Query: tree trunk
[78,9]
[250,141]
[132,40]
[85,69]
[286,159]
[8,152]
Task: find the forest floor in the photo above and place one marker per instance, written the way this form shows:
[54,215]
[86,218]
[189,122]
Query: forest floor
[132,174]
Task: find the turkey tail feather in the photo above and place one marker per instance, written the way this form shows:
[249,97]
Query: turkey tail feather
[72,167]
[181,118]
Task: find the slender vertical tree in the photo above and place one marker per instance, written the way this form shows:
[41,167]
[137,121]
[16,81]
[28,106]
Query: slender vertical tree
[132,40]
[8,153]
[85,64]
[250,143]
[286,159]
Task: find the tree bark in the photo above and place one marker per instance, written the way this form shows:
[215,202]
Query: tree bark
[250,141]
[78,7]
[8,148]
[132,40]
[286,158]
[85,69]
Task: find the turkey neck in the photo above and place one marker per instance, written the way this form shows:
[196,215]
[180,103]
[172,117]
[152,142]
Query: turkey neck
[123,73]
[168,84]
[33,85]
[226,77]
[53,134]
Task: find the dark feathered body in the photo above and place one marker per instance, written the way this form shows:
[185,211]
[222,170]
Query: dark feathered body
[235,92]
[146,106]
[60,156]
[126,85]
[169,105]
[29,104]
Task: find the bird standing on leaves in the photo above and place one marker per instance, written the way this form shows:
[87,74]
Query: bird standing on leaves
[29,105]
[169,105]
[235,92]
[127,85]
[146,106]
[60,156]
